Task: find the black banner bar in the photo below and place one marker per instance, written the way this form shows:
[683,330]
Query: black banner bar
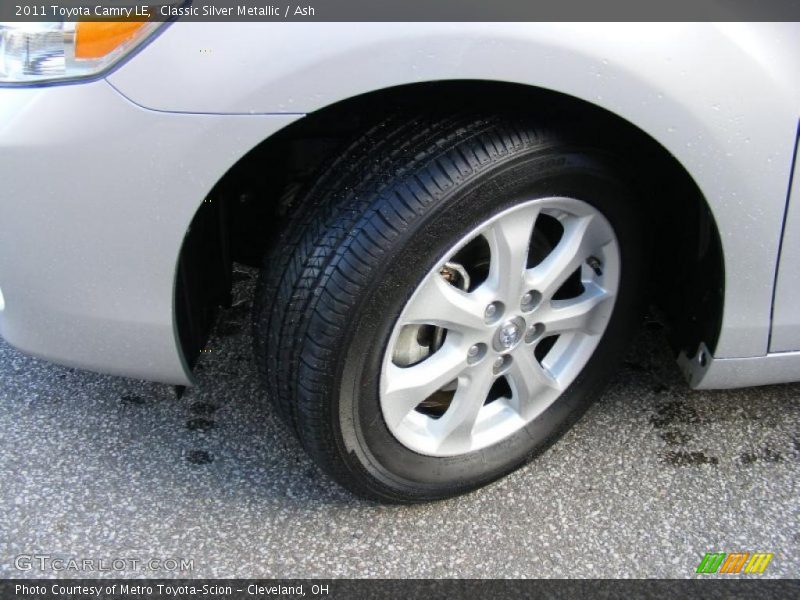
[392,589]
[402,10]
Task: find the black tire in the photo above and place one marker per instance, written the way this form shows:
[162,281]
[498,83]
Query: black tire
[374,223]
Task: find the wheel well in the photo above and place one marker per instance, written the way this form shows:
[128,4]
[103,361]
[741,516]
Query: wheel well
[245,211]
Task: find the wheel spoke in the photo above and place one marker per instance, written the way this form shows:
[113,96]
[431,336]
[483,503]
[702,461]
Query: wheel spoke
[436,302]
[509,241]
[405,388]
[454,429]
[532,385]
[576,314]
[582,236]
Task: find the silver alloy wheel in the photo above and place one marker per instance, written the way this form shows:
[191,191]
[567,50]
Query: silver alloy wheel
[455,341]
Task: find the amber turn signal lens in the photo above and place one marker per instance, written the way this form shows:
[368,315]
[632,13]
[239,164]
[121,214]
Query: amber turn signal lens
[97,39]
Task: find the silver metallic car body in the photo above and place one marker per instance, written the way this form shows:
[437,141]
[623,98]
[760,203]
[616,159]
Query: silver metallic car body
[99,181]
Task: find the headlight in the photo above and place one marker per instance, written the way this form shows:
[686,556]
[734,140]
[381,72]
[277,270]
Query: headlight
[38,52]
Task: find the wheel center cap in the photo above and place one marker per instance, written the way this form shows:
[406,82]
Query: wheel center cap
[509,335]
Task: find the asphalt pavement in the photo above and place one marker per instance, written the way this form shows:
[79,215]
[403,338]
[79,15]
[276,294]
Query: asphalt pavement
[654,476]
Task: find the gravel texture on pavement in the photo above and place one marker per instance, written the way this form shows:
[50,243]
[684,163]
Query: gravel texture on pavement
[654,476]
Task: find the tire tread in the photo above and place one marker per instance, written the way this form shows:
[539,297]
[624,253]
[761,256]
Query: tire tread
[334,240]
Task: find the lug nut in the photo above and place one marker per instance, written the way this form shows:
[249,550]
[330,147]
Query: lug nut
[475,353]
[534,333]
[501,363]
[530,300]
[493,312]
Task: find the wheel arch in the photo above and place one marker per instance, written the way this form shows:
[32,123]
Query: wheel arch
[246,208]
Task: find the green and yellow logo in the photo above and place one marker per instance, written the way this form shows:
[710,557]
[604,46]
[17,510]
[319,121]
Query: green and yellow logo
[736,562]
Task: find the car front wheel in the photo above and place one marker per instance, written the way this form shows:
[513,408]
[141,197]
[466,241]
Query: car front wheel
[451,295]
